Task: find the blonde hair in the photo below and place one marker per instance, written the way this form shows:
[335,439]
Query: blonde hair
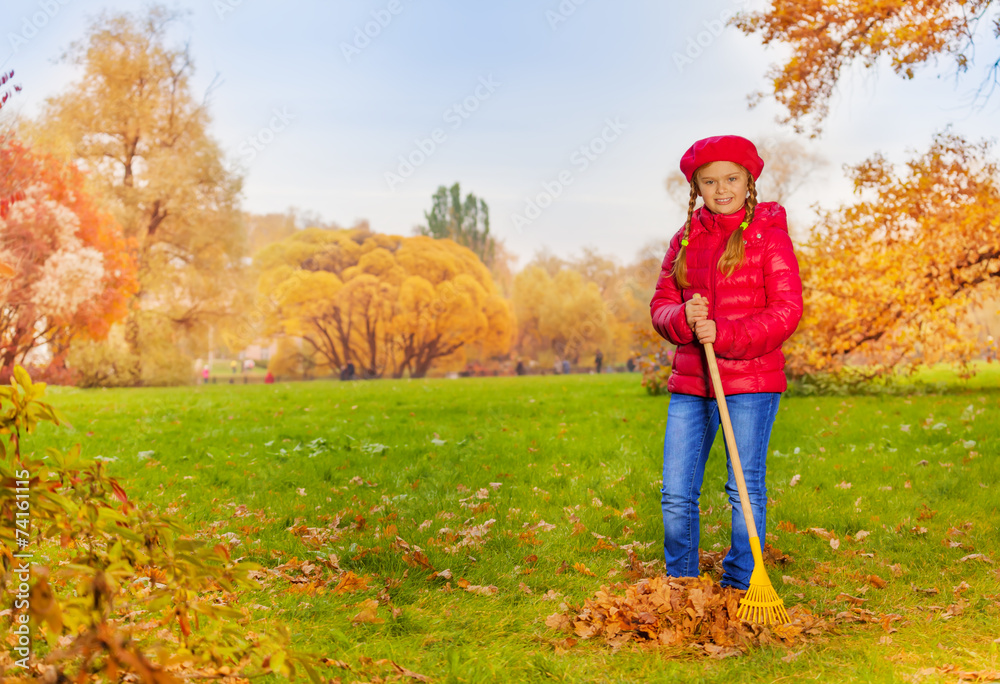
[734,254]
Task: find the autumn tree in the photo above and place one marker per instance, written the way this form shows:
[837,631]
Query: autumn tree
[572,308]
[889,280]
[388,304]
[826,38]
[132,122]
[72,270]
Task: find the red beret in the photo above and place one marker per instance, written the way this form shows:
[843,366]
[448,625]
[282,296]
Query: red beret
[730,148]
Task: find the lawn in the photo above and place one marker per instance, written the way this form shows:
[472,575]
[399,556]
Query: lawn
[905,490]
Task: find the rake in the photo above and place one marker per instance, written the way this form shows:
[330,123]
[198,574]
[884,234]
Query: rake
[761,604]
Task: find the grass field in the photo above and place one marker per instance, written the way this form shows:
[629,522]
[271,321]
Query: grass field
[437,459]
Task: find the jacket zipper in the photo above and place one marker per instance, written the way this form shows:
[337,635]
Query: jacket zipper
[712,281]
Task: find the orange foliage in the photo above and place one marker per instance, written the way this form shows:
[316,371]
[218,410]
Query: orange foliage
[828,37]
[73,270]
[889,280]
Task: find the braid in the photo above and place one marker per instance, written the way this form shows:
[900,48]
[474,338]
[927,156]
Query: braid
[679,271]
[733,257]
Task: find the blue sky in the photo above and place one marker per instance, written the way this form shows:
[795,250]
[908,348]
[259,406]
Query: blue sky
[511,99]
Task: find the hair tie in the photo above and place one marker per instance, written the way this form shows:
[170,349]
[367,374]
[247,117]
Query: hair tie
[684,242]
[743,226]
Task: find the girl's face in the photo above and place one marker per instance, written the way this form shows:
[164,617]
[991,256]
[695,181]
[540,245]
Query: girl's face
[723,185]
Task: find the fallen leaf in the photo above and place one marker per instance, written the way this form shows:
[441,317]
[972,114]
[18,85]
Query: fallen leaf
[975,556]
[489,590]
[349,583]
[559,621]
[368,613]
[853,600]
[820,532]
[408,673]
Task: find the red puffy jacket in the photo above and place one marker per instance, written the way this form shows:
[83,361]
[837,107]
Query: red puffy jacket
[755,309]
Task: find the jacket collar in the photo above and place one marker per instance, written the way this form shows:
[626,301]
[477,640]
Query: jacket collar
[725,223]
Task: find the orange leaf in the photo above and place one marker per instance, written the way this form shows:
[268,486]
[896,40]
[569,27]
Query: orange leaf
[368,613]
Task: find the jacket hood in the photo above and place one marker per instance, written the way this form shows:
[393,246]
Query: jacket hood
[773,214]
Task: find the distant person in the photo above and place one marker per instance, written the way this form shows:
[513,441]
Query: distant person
[520,370]
[269,378]
[234,366]
[557,367]
[630,364]
[347,372]
[565,366]
[205,372]
[739,252]
[598,360]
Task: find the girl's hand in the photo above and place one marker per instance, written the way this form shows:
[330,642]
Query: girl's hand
[705,331]
[696,310]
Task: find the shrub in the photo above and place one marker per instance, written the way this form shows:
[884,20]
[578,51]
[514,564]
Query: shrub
[109,561]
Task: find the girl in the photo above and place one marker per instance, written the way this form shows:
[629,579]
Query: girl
[737,255]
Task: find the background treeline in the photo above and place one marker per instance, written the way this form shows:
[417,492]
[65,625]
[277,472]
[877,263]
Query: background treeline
[126,254]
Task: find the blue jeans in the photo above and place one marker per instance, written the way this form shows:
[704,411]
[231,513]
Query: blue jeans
[692,423]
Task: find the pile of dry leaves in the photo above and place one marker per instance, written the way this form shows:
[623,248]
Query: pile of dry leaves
[690,611]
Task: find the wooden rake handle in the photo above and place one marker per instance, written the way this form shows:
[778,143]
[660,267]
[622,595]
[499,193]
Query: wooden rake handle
[727,431]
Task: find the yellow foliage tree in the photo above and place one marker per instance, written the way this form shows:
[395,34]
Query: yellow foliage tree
[562,316]
[132,121]
[387,304]
[570,309]
[890,280]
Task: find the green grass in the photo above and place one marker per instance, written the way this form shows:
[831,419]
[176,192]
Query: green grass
[405,452]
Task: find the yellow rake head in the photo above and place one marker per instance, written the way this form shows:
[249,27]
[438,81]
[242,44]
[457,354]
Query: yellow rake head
[761,604]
